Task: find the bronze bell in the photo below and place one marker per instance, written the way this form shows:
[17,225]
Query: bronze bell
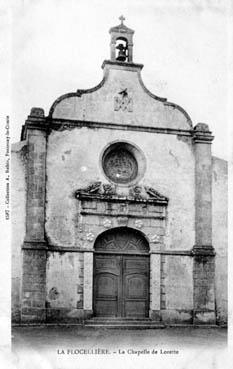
[122,52]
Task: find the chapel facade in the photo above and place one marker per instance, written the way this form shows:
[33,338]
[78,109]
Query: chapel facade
[119,208]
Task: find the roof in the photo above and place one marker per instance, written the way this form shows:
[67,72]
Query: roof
[121,28]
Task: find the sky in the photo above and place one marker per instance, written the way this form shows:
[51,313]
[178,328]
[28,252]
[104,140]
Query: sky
[58,46]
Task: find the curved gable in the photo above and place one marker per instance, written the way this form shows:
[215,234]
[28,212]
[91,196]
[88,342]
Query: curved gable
[121,98]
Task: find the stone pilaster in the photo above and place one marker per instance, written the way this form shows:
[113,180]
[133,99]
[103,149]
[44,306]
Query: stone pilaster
[130,52]
[155,263]
[88,283]
[113,50]
[34,247]
[203,252]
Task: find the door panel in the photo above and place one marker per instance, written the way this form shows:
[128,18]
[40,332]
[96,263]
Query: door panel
[136,286]
[106,308]
[106,285]
[135,309]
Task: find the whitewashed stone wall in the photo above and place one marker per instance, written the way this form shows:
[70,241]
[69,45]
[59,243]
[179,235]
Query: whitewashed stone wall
[73,161]
[99,105]
[64,285]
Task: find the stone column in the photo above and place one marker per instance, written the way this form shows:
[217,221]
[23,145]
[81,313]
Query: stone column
[130,52]
[155,263]
[113,49]
[88,284]
[34,247]
[203,252]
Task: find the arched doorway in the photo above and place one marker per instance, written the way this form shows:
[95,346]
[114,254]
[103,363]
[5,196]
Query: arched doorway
[121,274]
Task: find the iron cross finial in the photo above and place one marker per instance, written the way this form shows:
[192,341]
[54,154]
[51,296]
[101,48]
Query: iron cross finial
[122,18]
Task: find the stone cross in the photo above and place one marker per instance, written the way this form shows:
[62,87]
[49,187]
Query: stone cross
[122,18]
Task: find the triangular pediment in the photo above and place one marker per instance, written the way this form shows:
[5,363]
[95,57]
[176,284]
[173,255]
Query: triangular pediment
[121,28]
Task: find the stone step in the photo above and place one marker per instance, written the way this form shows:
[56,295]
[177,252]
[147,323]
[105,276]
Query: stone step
[123,323]
[107,319]
[126,326]
[117,321]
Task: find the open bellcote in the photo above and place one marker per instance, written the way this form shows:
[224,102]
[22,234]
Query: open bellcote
[121,46]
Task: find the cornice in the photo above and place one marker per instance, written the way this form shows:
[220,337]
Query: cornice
[106,192]
[78,93]
[49,124]
[203,250]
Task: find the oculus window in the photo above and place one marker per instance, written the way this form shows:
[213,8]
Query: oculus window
[123,163]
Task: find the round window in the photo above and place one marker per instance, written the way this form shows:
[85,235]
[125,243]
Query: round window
[120,166]
[122,163]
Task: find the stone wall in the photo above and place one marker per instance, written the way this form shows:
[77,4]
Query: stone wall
[64,285]
[70,166]
[18,224]
[33,286]
[177,276]
[74,160]
[220,215]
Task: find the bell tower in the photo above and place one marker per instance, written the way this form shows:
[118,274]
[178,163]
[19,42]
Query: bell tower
[121,46]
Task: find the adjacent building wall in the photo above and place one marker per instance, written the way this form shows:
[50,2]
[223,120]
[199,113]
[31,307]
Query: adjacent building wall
[220,214]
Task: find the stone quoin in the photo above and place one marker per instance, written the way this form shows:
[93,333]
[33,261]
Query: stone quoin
[119,209]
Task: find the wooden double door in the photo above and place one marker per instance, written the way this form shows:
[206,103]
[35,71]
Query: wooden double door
[121,285]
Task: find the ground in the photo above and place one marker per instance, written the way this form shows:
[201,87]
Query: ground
[77,347]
